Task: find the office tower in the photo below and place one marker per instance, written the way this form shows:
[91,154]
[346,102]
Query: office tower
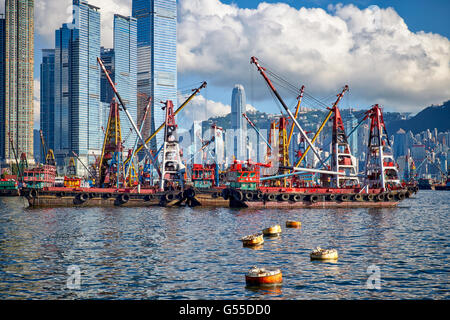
[17,111]
[400,143]
[2,85]
[196,138]
[351,123]
[47,118]
[238,123]
[78,114]
[157,58]
[106,92]
[62,103]
[37,147]
[125,72]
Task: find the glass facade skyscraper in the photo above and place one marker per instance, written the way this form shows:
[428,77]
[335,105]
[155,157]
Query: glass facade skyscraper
[106,92]
[157,57]
[47,119]
[78,114]
[17,110]
[125,72]
[238,123]
[2,85]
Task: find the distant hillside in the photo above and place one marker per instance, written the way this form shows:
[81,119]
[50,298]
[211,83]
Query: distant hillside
[429,118]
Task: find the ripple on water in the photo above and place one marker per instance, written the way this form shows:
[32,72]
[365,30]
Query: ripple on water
[186,253]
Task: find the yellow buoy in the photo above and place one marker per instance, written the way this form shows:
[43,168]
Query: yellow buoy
[324,254]
[293,224]
[272,231]
[253,239]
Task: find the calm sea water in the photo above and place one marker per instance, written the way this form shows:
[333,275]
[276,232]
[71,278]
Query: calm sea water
[185,253]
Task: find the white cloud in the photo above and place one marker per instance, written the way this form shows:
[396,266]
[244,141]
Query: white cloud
[200,109]
[50,15]
[371,50]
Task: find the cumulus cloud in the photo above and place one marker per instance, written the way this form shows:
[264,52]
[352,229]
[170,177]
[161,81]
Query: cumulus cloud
[50,15]
[372,50]
[201,109]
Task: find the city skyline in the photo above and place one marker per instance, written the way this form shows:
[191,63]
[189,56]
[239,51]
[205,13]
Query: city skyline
[401,14]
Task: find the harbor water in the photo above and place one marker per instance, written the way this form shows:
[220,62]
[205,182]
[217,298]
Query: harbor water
[195,253]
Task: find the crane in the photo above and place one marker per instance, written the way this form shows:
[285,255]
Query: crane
[261,70]
[196,91]
[257,131]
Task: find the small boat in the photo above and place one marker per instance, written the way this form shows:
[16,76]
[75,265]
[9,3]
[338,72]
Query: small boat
[293,224]
[262,277]
[253,239]
[272,231]
[324,254]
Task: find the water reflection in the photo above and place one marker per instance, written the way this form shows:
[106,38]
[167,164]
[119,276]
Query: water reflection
[194,253]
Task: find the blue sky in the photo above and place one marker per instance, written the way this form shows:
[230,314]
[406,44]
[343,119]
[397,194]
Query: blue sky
[419,15]
[397,57]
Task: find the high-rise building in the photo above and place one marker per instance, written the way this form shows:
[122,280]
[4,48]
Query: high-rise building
[106,92]
[157,58]
[400,143]
[78,114]
[2,85]
[17,110]
[351,123]
[62,103]
[238,123]
[47,118]
[125,72]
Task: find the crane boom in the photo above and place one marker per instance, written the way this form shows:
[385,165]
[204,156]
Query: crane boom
[133,124]
[256,129]
[323,124]
[261,71]
[203,85]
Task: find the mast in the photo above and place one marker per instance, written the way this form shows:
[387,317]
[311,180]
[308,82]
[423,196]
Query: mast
[261,71]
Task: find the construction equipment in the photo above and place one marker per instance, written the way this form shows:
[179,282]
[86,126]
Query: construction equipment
[261,70]
[181,107]
[111,164]
[380,171]
[331,111]
[133,124]
[172,165]
[257,131]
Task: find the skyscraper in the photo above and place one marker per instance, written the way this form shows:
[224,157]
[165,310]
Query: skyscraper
[157,58]
[125,72]
[2,85]
[47,119]
[17,111]
[238,123]
[78,111]
[351,123]
[62,103]
[106,92]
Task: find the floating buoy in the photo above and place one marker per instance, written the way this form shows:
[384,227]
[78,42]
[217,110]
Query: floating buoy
[262,277]
[253,239]
[293,224]
[272,231]
[324,254]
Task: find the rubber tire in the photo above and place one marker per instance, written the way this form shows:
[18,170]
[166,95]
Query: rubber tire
[83,197]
